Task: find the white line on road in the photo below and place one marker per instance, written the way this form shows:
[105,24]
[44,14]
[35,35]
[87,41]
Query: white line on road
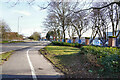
[31,66]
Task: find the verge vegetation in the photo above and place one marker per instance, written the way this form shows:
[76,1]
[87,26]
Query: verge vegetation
[11,41]
[5,56]
[85,61]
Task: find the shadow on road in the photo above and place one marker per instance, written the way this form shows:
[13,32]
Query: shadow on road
[29,77]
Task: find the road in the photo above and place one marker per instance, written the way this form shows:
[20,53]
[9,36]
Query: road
[15,46]
[29,64]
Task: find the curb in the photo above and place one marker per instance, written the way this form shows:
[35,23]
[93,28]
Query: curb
[5,59]
[54,65]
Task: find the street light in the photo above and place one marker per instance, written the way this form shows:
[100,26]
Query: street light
[119,23]
[18,22]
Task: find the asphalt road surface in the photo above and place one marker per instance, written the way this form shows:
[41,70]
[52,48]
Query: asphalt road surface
[29,64]
[15,46]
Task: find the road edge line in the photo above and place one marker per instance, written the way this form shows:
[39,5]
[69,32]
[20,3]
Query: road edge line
[31,66]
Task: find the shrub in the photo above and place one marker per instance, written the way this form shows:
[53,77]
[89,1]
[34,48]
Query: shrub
[107,56]
[67,44]
[111,63]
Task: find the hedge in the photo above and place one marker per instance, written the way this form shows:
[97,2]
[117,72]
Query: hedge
[107,56]
[67,44]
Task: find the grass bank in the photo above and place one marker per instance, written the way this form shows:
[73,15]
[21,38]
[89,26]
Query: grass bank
[5,56]
[84,62]
[68,60]
[106,60]
[11,41]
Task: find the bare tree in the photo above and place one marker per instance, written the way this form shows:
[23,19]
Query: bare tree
[71,31]
[102,18]
[3,29]
[114,17]
[100,21]
[62,11]
[80,22]
[52,24]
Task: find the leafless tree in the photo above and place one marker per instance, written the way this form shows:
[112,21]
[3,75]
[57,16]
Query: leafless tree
[52,24]
[71,31]
[3,29]
[80,22]
[100,23]
[102,18]
[114,17]
[62,11]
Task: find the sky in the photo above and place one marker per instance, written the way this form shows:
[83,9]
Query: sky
[32,17]
[31,20]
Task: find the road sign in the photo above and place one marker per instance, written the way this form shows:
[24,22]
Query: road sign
[96,42]
[79,41]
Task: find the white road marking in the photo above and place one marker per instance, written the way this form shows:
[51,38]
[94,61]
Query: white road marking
[31,67]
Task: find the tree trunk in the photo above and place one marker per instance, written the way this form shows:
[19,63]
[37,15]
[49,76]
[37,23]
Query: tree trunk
[79,37]
[64,34]
[63,26]
[94,37]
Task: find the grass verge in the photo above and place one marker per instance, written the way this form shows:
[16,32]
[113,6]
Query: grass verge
[106,59]
[5,56]
[69,61]
[84,62]
[11,41]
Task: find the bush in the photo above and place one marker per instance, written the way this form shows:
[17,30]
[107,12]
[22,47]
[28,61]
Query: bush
[107,56]
[111,63]
[67,44]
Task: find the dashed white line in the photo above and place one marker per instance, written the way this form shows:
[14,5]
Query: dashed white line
[31,67]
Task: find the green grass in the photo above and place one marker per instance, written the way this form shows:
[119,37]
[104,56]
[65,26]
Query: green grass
[5,56]
[4,41]
[62,50]
[62,54]
[85,62]
[11,41]
[68,60]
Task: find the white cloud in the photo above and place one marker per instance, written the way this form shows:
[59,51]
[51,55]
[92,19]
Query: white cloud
[22,12]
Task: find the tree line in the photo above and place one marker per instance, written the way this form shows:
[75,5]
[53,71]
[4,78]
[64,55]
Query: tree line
[71,17]
[68,17]
[6,34]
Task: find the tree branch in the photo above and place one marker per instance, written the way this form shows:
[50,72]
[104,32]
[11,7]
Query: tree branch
[118,3]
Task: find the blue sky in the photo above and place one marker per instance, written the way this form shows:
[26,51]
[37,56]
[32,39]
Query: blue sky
[30,22]
[32,19]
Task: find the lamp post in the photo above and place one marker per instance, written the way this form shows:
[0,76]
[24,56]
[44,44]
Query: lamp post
[119,26]
[119,18]
[18,22]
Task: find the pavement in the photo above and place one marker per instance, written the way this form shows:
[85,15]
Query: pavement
[29,64]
